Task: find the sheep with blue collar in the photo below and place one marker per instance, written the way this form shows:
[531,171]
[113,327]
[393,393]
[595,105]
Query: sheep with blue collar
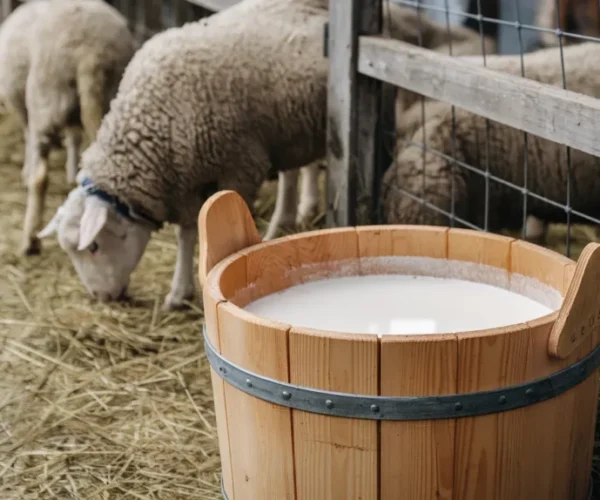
[215,104]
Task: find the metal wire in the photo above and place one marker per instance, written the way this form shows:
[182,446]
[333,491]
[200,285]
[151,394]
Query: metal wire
[478,162]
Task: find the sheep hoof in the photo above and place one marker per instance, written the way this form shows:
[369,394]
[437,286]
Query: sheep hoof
[306,218]
[176,301]
[31,247]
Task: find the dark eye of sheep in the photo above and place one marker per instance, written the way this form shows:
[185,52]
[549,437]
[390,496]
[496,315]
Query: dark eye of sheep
[93,248]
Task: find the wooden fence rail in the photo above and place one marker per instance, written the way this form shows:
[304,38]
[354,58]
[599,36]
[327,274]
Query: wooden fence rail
[562,116]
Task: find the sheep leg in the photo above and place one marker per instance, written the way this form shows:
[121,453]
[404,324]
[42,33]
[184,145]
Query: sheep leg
[37,186]
[26,170]
[73,139]
[535,229]
[91,82]
[183,288]
[18,107]
[309,196]
[286,205]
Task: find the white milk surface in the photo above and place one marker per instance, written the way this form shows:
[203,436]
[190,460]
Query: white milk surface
[397,304]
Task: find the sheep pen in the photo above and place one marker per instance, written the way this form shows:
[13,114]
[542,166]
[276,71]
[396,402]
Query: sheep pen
[110,401]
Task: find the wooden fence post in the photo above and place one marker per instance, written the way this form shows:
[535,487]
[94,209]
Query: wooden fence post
[351,142]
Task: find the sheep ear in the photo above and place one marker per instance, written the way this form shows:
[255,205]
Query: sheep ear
[52,226]
[93,220]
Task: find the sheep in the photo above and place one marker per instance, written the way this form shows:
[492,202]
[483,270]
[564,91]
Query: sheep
[15,33]
[62,61]
[429,175]
[400,23]
[576,16]
[215,104]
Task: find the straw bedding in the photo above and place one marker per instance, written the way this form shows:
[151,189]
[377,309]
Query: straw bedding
[97,401]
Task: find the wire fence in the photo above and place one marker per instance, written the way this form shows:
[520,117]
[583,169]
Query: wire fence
[452,167]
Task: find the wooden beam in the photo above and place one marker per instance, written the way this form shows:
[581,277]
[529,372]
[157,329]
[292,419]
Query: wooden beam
[155,16]
[350,143]
[183,12]
[543,110]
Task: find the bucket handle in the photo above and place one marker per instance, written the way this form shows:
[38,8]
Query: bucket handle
[579,316]
[225,226]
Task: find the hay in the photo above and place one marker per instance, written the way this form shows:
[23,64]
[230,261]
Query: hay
[98,401]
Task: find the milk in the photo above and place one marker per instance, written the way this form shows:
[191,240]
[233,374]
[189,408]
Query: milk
[397,304]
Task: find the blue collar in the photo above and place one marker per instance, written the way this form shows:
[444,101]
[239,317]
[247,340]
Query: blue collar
[137,215]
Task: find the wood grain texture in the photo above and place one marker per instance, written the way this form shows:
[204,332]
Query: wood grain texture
[539,263]
[211,297]
[478,247]
[270,268]
[279,264]
[488,447]
[350,144]
[335,458]
[225,209]
[511,100]
[396,240]
[325,253]
[229,275]
[559,467]
[417,458]
[260,433]
[579,317]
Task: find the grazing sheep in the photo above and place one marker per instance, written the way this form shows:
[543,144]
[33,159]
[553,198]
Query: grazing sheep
[430,176]
[402,24]
[218,103]
[61,64]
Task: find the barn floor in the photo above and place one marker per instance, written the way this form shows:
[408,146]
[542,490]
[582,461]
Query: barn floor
[96,401]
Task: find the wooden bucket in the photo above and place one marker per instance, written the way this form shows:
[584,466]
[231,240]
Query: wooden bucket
[500,414]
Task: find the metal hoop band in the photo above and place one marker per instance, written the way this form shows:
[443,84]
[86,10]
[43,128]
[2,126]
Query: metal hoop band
[401,408]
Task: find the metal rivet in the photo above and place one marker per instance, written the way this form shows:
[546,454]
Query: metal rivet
[329,404]
[286,395]
[582,369]
[249,382]
[529,392]
[458,406]
[502,400]
[374,408]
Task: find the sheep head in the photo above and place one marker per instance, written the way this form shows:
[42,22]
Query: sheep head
[104,246]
